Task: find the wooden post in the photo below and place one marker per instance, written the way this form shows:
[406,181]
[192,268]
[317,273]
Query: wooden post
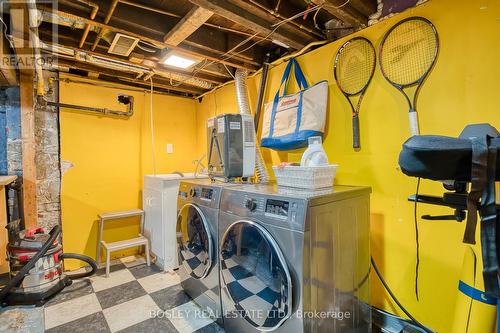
[4,181]
[28,148]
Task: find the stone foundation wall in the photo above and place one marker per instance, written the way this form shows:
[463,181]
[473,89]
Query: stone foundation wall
[48,166]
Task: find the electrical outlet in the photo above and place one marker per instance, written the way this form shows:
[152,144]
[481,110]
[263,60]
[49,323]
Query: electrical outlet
[170,148]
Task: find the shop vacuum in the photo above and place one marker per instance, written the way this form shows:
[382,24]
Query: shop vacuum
[36,266]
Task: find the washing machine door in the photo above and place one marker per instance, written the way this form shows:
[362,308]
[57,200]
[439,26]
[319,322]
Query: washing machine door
[194,243]
[255,275]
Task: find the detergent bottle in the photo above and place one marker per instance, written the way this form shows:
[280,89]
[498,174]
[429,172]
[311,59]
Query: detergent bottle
[315,154]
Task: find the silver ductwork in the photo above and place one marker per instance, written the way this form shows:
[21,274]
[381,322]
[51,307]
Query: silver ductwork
[244,108]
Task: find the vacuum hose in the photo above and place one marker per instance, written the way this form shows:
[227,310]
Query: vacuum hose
[54,233]
[92,263]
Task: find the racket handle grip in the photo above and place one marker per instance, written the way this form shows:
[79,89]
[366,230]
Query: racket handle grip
[355,132]
[414,122]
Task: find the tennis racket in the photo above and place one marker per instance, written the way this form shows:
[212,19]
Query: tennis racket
[407,54]
[354,68]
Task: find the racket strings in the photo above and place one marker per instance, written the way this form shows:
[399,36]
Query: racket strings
[355,66]
[409,52]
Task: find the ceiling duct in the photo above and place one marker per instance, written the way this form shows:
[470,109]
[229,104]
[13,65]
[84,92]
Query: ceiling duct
[123,45]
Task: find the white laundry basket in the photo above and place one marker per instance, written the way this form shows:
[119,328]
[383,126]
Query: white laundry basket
[311,178]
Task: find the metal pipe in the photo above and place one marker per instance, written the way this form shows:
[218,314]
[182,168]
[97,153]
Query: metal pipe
[111,10]
[262,89]
[105,111]
[33,31]
[93,14]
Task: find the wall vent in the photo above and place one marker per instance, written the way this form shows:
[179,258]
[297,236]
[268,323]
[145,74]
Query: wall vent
[123,45]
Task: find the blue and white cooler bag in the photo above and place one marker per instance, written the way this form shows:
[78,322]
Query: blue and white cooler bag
[289,120]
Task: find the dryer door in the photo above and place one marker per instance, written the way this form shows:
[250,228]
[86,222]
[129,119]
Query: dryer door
[255,275]
[194,242]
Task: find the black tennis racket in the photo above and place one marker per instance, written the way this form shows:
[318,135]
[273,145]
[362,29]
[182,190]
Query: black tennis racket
[354,68]
[407,54]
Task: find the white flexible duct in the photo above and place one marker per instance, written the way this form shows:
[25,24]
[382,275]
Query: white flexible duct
[244,108]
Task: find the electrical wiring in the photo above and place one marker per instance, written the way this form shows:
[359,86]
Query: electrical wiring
[297,15]
[149,44]
[231,54]
[417,241]
[406,312]
[146,49]
[272,65]
[7,36]
[316,25]
[227,69]
[152,127]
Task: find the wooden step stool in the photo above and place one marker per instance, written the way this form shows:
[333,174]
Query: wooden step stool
[123,244]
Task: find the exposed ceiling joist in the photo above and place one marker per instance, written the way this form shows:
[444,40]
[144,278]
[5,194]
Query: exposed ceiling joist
[255,22]
[111,10]
[343,12]
[171,14]
[187,25]
[148,39]
[214,74]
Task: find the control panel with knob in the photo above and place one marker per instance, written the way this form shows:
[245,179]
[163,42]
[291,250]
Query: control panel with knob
[251,204]
[192,193]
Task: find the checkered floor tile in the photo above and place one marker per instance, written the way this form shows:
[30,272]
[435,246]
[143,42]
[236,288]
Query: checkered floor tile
[134,298]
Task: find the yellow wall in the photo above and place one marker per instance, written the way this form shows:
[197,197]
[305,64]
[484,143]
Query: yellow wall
[462,89]
[111,156]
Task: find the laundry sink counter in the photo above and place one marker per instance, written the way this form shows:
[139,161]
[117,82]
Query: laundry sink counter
[160,207]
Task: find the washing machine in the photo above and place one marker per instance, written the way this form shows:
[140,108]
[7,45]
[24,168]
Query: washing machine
[295,261]
[197,243]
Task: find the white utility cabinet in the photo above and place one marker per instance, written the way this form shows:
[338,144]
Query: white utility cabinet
[160,212]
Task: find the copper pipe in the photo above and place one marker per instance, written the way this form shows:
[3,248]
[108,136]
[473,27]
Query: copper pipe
[93,14]
[111,10]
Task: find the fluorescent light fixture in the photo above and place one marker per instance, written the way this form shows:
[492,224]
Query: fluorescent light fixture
[179,61]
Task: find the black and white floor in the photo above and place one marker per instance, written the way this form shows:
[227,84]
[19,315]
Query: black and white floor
[134,298]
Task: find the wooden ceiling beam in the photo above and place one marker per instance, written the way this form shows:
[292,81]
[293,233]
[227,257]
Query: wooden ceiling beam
[207,41]
[110,12]
[187,25]
[303,32]
[148,39]
[251,20]
[345,13]
[169,13]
